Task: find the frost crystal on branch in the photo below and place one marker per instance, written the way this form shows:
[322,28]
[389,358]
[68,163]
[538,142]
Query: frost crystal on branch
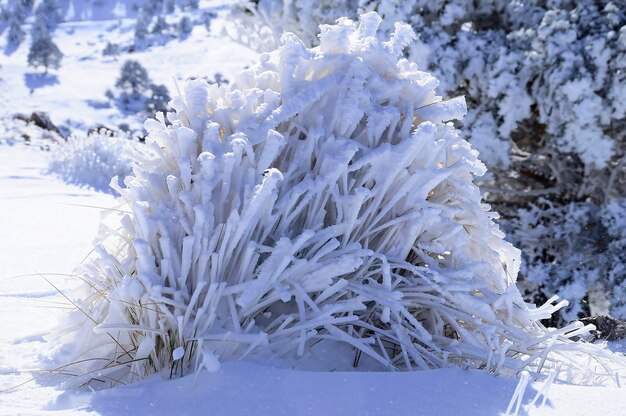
[322,198]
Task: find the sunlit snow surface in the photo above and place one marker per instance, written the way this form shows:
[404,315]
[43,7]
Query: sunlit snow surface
[47,228]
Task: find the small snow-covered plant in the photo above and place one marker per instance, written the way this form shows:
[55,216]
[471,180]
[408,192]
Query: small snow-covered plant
[92,160]
[321,198]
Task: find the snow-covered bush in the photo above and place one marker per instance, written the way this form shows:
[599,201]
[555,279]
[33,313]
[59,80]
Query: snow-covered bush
[319,202]
[563,251]
[560,64]
[545,85]
[92,160]
[614,221]
[575,250]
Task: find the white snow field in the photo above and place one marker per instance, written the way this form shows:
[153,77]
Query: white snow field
[47,228]
[74,95]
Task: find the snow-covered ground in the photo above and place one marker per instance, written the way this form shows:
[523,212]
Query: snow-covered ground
[47,228]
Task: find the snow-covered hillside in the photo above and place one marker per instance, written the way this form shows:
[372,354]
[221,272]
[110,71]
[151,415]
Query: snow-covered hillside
[75,94]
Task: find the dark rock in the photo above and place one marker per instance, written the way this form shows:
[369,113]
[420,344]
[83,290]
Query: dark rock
[42,120]
[21,116]
[607,328]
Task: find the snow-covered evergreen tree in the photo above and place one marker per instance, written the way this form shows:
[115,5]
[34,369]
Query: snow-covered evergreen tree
[44,52]
[157,100]
[159,26]
[15,34]
[141,28]
[322,198]
[48,13]
[111,49]
[184,27]
[133,79]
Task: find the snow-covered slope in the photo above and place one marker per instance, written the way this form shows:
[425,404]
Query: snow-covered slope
[74,95]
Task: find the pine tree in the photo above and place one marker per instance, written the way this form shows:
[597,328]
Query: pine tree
[158,99]
[159,26]
[44,52]
[15,35]
[184,27]
[39,28]
[21,10]
[48,12]
[141,27]
[133,78]
[112,49]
